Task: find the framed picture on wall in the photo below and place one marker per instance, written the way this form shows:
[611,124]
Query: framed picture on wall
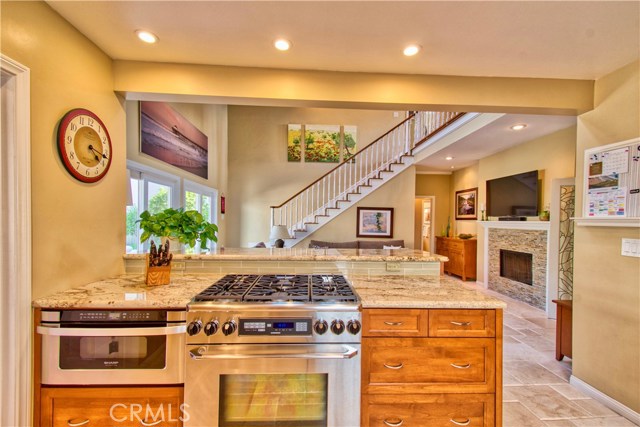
[294,135]
[466,204]
[169,137]
[375,222]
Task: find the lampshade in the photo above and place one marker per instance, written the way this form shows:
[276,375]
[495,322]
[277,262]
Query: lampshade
[279,232]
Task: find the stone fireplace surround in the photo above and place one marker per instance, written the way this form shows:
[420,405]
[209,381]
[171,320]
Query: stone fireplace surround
[521,236]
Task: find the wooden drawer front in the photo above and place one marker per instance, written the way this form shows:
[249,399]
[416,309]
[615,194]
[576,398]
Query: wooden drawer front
[429,365]
[394,323]
[110,406]
[436,410]
[462,323]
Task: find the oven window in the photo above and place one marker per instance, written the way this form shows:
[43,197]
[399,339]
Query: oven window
[274,400]
[146,352]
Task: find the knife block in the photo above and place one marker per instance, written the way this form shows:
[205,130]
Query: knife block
[156,275]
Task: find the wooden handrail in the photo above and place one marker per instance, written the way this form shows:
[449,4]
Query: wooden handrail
[435,131]
[350,159]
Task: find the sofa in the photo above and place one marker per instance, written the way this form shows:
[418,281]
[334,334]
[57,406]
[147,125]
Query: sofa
[357,244]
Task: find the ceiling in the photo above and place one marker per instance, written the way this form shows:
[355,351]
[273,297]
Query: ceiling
[493,138]
[543,39]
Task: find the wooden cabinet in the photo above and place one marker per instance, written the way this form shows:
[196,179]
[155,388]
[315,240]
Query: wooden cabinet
[111,406]
[447,371]
[461,254]
[563,328]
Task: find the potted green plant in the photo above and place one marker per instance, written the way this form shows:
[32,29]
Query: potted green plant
[545,214]
[186,226]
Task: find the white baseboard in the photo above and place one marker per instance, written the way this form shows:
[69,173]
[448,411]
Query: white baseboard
[607,401]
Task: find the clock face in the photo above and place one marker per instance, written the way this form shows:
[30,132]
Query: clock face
[84,145]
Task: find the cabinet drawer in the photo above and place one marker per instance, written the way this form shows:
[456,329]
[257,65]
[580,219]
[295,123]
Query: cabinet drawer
[436,410]
[428,365]
[111,406]
[462,323]
[394,322]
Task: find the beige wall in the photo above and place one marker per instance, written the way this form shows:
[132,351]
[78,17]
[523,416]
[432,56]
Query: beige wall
[397,194]
[78,229]
[439,187]
[212,121]
[553,155]
[606,292]
[259,173]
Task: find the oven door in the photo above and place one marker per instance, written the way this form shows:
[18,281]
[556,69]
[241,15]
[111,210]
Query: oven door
[112,355]
[275,385]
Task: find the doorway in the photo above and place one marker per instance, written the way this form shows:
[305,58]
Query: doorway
[15,245]
[425,209]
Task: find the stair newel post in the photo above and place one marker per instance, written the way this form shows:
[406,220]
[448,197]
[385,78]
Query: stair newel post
[273,213]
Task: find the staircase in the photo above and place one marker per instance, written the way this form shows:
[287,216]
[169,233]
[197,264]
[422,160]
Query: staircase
[350,181]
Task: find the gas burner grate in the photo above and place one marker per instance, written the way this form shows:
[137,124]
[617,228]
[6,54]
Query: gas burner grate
[331,288]
[277,287]
[231,287]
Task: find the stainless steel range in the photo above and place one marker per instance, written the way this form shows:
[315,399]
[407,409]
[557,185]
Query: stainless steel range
[274,350]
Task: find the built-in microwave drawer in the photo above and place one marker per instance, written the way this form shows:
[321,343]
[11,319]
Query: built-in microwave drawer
[429,365]
[93,352]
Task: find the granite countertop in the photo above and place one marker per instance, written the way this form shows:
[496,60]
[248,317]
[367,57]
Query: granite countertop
[129,291]
[308,254]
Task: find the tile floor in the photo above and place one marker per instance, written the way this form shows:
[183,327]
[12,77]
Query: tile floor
[537,392]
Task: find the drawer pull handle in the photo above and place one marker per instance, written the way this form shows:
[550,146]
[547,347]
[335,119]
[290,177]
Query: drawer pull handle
[155,423]
[465,366]
[398,366]
[391,424]
[463,423]
[394,323]
[75,423]
[460,323]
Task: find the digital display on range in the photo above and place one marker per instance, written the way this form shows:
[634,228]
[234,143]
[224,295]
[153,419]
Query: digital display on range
[293,327]
[283,325]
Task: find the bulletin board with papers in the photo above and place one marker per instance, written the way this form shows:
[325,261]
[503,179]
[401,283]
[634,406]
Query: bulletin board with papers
[612,180]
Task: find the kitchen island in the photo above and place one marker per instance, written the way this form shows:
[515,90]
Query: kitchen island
[442,339]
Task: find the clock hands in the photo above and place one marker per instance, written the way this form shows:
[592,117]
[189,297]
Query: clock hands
[97,153]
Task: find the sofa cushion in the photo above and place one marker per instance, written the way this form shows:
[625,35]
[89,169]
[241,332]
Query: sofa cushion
[379,244]
[318,244]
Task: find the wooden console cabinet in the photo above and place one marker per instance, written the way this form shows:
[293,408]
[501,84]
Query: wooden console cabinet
[461,254]
[432,367]
[564,326]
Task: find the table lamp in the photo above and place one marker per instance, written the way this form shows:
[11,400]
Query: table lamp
[279,233]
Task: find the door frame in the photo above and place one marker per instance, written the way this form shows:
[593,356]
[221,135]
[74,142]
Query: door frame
[432,240]
[16,328]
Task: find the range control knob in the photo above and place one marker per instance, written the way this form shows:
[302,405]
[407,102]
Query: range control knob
[321,327]
[337,327]
[211,328]
[353,326]
[194,327]
[229,327]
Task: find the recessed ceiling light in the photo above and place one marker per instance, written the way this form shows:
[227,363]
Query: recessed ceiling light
[411,50]
[448,158]
[282,44]
[518,126]
[452,167]
[146,36]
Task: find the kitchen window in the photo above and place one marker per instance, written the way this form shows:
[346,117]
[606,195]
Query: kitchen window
[155,190]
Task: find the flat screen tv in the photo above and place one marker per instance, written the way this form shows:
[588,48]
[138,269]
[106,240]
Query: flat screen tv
[514,195]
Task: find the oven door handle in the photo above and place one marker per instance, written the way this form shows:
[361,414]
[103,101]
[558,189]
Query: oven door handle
[200,353]
[111,332]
